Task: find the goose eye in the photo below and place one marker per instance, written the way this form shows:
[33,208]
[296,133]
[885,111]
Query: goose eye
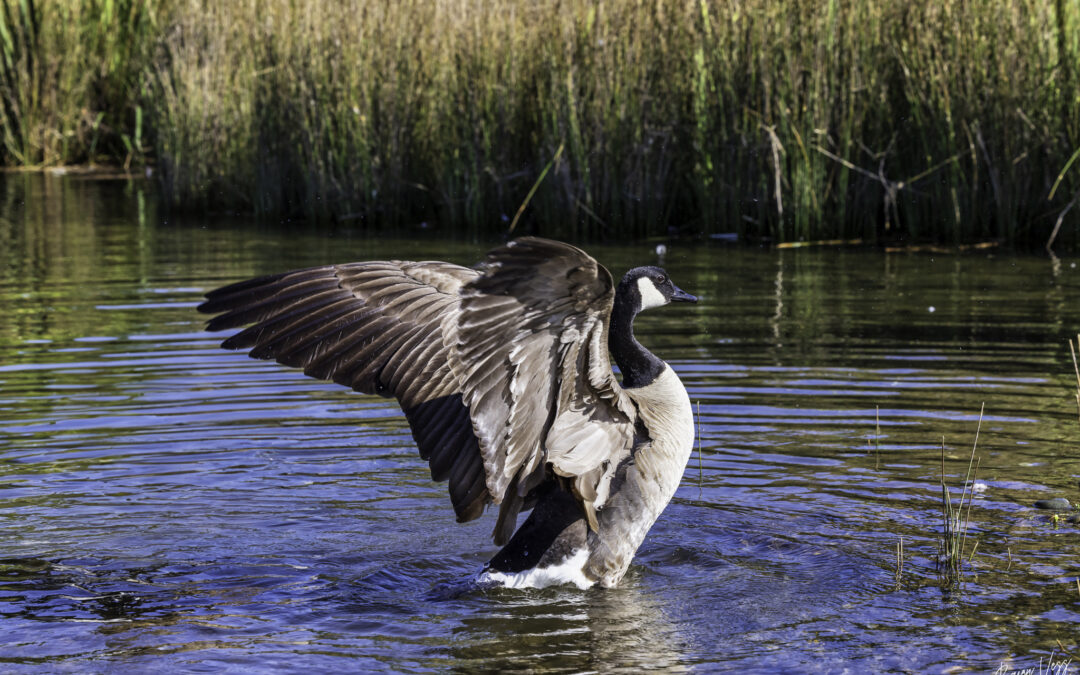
[661,279]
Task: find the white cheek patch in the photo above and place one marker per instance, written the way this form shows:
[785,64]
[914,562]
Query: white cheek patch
[650,296]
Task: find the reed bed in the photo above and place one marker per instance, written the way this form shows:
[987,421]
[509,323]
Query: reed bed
[871,119]
[73,80]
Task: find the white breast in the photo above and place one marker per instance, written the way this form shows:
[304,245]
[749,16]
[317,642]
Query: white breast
[665,409]
[650,479]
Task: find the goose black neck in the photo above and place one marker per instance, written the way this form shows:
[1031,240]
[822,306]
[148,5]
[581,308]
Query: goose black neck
[638,365]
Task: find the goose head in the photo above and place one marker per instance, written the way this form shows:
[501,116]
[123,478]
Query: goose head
[647,287]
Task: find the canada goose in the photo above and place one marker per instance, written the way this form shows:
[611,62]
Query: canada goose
[504,376]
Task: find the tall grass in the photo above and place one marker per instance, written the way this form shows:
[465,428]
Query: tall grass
[879,119]
[73,78]
[957,519]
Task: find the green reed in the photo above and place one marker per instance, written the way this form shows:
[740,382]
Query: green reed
[73,80]
[956,518]
[873,119]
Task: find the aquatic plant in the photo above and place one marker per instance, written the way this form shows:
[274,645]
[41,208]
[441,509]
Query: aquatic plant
[899,575]
[873,119]
[957,518]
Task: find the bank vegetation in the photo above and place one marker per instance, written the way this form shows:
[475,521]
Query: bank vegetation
[885,120]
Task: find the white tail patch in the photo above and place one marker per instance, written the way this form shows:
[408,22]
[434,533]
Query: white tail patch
[569,571]
[650,295]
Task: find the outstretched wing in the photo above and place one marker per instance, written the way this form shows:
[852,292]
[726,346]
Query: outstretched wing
[532,361]
[502,372]
[380,328]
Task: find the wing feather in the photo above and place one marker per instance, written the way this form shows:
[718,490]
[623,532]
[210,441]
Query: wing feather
[530,358]
[380,328]
[503,372]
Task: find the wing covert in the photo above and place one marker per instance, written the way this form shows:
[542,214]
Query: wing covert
[532,360]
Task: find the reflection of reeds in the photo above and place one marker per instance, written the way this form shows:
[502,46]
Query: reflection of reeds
[956,519]
[794,120]
[877,437]
[1076,368]
[700,471]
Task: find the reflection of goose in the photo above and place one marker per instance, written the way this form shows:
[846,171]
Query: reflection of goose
[629,629]
[504,377]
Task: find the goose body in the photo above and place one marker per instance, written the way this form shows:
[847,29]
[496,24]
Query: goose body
[504,375]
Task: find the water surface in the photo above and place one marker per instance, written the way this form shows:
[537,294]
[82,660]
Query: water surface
[165,504]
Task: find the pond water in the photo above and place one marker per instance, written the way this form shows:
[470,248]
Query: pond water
[168,505]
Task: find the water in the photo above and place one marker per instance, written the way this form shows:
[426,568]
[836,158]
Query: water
[167,505]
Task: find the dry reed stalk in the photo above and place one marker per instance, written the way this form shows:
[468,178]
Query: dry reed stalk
[899,560]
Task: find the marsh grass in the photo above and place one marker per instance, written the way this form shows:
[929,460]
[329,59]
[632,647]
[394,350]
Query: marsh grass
[956,518]
[899,576]
[73,80]
[872,119]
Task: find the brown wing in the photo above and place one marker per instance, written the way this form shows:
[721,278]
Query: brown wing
[501,372]
[380,328]
[532,361]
